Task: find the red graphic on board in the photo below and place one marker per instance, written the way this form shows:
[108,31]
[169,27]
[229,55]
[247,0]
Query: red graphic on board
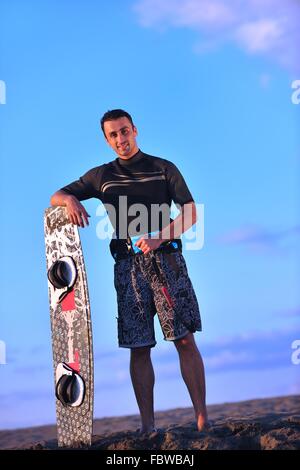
[75,365]
[68,303]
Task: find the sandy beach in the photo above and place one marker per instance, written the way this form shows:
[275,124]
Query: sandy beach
[263,424]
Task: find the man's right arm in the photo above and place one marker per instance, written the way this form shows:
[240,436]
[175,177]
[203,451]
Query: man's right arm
[75,210]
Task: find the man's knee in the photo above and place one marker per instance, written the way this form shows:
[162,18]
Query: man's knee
[187,343]
[140,353]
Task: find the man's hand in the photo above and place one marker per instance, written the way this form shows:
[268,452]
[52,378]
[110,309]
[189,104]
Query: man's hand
[148,244]
[76,212]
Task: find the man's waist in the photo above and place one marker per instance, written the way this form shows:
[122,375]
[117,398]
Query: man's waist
[123,248]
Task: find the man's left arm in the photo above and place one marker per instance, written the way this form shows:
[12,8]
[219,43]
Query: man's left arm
[184,220]
[180,194]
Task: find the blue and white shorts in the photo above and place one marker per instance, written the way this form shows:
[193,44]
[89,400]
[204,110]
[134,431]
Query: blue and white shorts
[154,283]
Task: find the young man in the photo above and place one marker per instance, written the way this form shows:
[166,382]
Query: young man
[150,273]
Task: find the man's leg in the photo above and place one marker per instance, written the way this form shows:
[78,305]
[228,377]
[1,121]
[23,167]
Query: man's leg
[192,370]
[142,377]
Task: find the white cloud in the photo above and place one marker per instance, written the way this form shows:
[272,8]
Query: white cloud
[260,35]
[211,14]
[265,27]
[204,13]
[262,239]
[228,359]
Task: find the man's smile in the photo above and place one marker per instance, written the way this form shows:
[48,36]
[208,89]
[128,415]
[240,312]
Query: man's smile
[124,146]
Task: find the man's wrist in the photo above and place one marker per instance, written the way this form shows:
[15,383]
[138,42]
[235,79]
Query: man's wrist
[68,198]
[162,237]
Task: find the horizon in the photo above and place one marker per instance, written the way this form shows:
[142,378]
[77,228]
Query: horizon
[166,411]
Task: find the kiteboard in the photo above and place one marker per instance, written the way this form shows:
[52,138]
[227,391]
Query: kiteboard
[71,330]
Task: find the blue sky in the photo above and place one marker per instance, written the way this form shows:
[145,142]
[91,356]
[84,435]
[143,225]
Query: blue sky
[209,87]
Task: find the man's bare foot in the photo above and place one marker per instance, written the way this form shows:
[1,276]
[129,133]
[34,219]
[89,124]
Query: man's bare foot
[202,423]
[146,430]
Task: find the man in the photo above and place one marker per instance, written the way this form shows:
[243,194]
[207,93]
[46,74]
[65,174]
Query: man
[150,273]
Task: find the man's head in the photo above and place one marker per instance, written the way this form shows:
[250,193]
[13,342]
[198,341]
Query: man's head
[120,132]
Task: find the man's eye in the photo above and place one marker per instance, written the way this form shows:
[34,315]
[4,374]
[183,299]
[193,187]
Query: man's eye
[124,131]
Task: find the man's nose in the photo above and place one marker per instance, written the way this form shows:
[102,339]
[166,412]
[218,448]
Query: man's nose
[121,139]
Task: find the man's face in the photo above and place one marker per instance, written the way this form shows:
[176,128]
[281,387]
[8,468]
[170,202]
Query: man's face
[121,136]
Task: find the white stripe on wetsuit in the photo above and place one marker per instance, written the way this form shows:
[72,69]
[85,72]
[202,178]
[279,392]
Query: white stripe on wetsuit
[108,184]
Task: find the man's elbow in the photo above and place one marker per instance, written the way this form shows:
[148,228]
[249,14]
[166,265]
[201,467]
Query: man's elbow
[57,198]
[53,199]
[194,213]
[190,213]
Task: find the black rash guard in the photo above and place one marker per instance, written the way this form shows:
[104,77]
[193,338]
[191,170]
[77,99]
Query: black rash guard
[143,179]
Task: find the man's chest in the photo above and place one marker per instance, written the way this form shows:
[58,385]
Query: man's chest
[139,186]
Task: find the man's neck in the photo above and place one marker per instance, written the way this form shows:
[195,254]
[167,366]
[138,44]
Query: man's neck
[132,154]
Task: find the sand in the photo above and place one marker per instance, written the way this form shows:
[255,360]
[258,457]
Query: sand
[264,424]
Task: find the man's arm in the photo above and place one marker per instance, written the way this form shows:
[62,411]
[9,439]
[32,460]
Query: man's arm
[181,195]
[185,220]
[75,210]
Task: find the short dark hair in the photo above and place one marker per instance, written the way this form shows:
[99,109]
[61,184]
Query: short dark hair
[113,114]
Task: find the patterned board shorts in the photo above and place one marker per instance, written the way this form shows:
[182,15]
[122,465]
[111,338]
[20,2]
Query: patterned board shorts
[154,283]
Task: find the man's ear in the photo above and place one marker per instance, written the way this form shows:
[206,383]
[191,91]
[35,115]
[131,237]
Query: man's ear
[135,131]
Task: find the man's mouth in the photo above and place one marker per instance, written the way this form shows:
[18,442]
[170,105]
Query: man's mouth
[124,147]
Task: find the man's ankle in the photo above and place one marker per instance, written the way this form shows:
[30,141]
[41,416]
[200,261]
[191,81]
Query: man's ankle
[147,427]
[147,430]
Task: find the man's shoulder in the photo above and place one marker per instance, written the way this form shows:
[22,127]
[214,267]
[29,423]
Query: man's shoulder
[158,161]
[96,171]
